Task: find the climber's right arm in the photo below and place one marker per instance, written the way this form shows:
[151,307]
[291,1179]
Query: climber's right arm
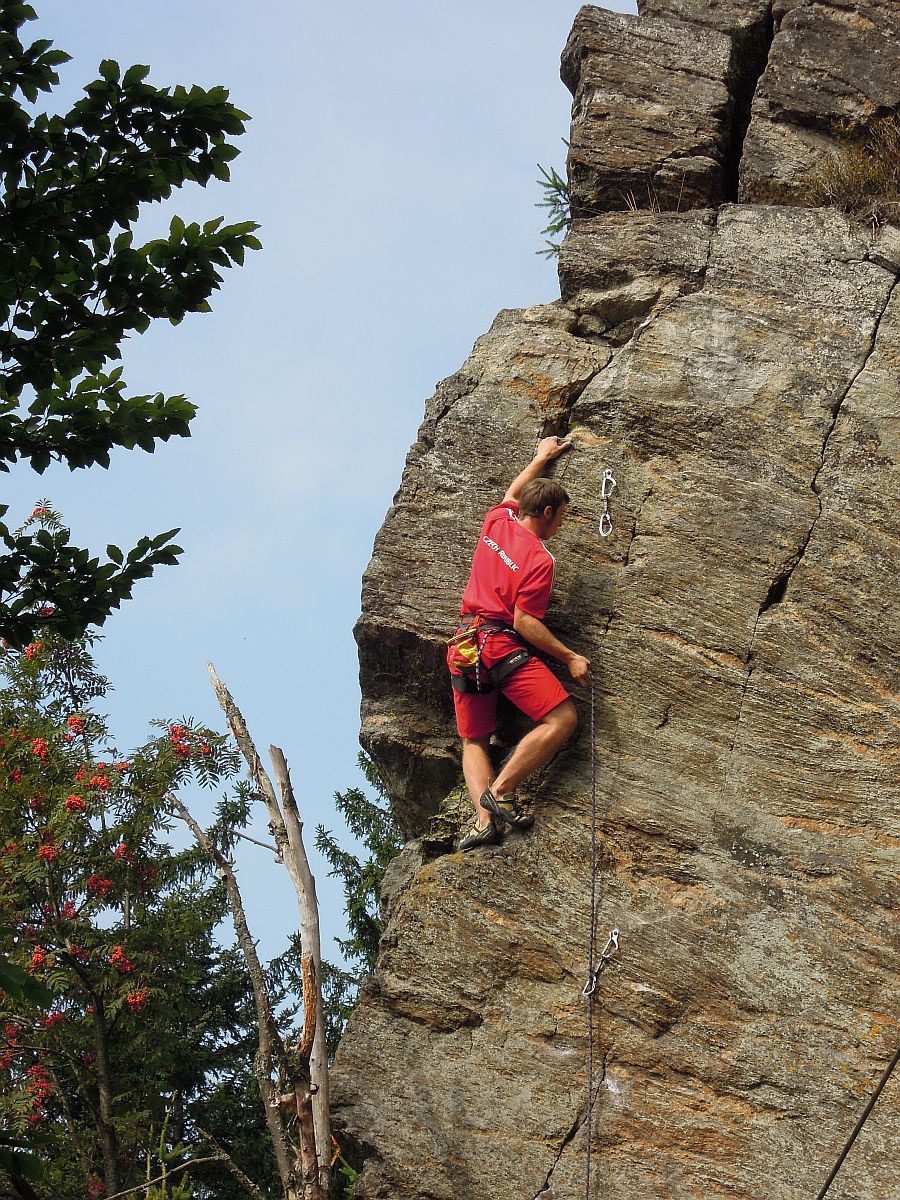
[547,449]
[537,634]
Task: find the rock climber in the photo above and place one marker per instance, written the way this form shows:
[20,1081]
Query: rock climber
[502,613]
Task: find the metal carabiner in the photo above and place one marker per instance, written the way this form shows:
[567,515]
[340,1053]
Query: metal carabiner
[612,945]
[606,490]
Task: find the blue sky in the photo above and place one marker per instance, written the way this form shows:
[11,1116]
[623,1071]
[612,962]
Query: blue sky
[391,163]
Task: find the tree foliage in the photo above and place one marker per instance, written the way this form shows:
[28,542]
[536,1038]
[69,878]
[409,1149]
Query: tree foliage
[150,1032]
[74,284]
[371,822]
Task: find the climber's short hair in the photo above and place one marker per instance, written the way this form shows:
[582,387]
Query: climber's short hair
[540,494]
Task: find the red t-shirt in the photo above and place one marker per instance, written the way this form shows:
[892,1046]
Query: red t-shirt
[511,568]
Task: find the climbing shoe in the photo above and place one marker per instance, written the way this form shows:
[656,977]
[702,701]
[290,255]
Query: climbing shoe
[506,810]
[480,837]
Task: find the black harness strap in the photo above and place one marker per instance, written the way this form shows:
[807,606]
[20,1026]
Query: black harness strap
[478,678]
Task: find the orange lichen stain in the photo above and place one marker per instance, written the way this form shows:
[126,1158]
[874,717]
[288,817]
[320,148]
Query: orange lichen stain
[584,437]
[838,700]
[881,1021]
[539,389]
[885,754]
[676,895]
[722,658]
[830,829]
[878,686]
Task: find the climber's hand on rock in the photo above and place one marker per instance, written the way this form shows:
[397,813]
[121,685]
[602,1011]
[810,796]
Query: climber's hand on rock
[551,447]
[580,669]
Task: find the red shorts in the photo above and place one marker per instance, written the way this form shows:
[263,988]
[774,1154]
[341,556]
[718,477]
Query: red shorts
[533,689]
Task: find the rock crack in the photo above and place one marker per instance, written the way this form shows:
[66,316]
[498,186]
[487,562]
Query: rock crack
[779,586]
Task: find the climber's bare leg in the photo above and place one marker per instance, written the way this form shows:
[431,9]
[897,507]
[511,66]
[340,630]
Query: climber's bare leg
[478,772]
[536,747]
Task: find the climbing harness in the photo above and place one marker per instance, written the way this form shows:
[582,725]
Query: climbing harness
[859,1124]
[606,491]
[466,650]
[595,968]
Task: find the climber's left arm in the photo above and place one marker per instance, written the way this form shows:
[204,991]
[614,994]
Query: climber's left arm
[538,635]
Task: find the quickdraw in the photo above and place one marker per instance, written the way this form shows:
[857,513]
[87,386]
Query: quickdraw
[612,945]
[606,491]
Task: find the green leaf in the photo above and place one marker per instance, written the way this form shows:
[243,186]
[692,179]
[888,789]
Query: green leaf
[134,75]
[17,983]
[21,1163]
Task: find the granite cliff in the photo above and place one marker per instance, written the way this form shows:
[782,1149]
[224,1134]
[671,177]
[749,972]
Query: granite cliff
[732,355]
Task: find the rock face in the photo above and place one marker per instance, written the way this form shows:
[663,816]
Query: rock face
[737,368]
[652,117]
[832,67]
[828,67]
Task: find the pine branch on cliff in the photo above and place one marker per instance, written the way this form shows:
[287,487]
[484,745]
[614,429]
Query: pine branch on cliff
[559,210]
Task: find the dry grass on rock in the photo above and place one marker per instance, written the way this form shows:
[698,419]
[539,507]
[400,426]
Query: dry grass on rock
[862,177]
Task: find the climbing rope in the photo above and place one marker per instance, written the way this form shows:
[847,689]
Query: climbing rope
[859,1124]
[595,968]
[598,965]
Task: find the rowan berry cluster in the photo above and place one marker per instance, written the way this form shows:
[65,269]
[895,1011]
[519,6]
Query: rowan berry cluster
[40,1089]
[137,999]
[80,868]
[120,961]
[181,739]
[8,1057]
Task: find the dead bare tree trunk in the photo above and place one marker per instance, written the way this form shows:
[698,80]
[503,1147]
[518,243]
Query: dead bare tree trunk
[305,886]
[287,830]
[271,1052]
